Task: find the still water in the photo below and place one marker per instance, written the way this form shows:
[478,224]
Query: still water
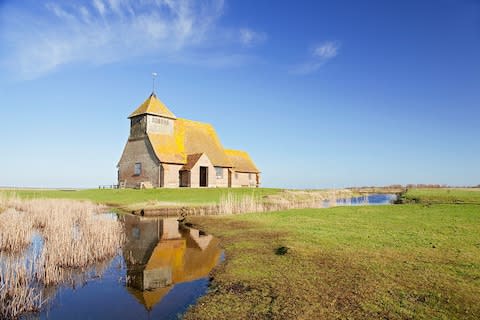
[162,270]
[370,199]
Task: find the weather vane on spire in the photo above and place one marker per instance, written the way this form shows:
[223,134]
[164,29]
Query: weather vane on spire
[154,74]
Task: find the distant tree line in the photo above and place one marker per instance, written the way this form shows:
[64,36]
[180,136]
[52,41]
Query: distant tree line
[429,186]
[413,186]
[438,186]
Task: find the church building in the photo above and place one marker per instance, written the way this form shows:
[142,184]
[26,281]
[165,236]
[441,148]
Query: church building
[164,151]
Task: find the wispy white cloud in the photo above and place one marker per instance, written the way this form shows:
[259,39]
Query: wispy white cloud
[249,37]
[100,6]
[326,50]
[320,54]
[105,31]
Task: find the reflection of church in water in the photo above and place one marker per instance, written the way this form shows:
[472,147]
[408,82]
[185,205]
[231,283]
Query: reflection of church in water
[160,253]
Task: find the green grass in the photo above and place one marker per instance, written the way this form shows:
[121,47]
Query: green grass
[131,197]
[444,195]
[389,262]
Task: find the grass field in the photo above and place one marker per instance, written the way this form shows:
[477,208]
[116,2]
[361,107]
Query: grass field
[127,198]
[444,195]
[412,261]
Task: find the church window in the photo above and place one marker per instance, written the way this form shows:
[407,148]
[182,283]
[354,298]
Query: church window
[160,121]
[219,172]
[138,169]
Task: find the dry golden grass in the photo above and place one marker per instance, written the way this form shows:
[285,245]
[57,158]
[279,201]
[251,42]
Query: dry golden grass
[235,203]
[18,293]
[285,200]
[232,203]
[85,243]
[76,236]
[15,236]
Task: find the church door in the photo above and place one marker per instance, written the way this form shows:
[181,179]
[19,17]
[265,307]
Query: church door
[203,176]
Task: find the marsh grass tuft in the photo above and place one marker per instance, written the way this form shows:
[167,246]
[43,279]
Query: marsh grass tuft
[231,203]
[281,251]
[16,231]
[18,292]
[76,235]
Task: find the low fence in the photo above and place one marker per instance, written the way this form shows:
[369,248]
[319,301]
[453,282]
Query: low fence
[109,186]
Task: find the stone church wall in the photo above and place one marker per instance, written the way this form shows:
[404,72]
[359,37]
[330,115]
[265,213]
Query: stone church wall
[138,127]
[244,179]
[171,175]
[195,173]
[138,151]
[223,181]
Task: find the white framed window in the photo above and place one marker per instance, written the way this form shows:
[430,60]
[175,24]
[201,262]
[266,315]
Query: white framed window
[138,169]
[159,120]
[219,172]
[249,176]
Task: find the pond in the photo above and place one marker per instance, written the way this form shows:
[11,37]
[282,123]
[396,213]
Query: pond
[162,269]
[368,199]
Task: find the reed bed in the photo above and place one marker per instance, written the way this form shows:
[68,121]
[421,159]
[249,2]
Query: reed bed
[84,244]
[18,291]
[232,203]
[16,230]
[75,235]
[286,200]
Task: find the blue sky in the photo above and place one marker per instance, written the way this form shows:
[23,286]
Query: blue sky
[333,93]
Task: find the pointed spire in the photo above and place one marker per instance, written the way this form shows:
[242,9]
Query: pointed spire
[153,106]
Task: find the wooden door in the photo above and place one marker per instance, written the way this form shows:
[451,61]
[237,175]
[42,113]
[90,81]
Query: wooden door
[203,176]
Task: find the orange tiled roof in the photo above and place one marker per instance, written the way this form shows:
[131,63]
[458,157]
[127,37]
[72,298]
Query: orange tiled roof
[189,137]
[153,106]
[241,161]
[192,159]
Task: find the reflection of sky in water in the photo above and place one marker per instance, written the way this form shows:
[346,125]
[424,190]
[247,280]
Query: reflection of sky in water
[107,298]
[372,199]
[174,261]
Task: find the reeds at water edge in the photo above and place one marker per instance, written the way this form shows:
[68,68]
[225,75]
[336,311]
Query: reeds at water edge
[16,230]
[231,204]
[75,236]
[286,200]
[18,292]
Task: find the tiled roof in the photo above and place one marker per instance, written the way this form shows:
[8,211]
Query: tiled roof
[189,137]
[153,106]
[192,159]
[241,161]
[202,138]
[168,148]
